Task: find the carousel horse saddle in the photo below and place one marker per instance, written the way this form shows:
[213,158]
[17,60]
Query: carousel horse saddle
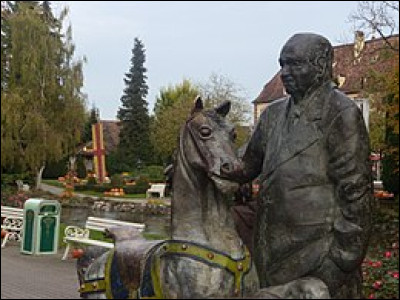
[132,269]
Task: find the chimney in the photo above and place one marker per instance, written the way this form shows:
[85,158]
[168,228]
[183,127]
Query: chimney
[359,43]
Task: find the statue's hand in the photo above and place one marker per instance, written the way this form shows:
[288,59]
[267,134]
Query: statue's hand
[302,288]
[347,247]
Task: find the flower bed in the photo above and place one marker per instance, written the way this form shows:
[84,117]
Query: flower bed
[381,265]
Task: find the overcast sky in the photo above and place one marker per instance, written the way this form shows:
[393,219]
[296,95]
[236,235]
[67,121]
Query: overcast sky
[240,40]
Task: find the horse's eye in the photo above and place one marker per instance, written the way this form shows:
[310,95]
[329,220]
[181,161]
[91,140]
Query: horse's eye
[205,131]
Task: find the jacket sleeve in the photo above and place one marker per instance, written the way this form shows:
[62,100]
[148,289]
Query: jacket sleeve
[253,155]
[349,169]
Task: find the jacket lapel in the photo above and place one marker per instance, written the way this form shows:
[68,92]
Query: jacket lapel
[302,136]
[284,145]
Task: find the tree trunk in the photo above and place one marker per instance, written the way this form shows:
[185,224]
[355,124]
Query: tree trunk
[39,177]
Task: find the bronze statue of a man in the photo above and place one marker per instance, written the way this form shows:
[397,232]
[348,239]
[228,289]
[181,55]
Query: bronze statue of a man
[310,152]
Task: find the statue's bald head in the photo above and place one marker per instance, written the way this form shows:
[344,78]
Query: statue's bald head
[306,63]
[314,48]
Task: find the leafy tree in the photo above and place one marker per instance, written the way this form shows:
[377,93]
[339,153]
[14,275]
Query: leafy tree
[134,147]
[221,88]
[382,17]
[7,8]
[172,94]
[387,87]
[42,108]
[174,105]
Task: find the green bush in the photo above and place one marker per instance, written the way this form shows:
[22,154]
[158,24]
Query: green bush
[80,188]
[141,186]
[154,173]
[133,189]
[56,169]
[101,188]
[130,189]
[80,167]
[116,164]
[117,181]
[8,180]
[91,181]
[390,174]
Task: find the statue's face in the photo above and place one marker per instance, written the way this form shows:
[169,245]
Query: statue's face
[297,72]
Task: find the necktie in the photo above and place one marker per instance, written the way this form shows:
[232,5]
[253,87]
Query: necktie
[294,116]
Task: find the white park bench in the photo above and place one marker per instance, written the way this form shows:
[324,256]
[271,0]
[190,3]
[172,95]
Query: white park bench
[12,223]
[156,188]
[76,235]
[22,187]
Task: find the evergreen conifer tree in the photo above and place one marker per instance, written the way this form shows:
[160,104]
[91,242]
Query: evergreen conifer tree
[92,118]
[134,147]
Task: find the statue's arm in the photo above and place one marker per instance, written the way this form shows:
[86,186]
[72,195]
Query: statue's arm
[253,154]
[349,168]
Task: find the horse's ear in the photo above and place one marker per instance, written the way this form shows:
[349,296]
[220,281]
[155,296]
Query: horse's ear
[198,105]
[224,108]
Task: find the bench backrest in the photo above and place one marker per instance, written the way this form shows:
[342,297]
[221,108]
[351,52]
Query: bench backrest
[12,212]
[157,187]
[101,224]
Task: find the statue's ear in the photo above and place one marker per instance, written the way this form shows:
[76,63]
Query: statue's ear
[224,108]
[198,105]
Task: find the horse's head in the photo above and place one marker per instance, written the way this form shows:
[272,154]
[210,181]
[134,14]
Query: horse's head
[206,143]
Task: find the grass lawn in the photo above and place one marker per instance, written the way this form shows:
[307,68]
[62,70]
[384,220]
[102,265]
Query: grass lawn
[98,235]
[95,235]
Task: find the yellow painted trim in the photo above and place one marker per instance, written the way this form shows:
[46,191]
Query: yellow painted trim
[107,275]
[96,167]
[94,136]
[93,287]
[237,267]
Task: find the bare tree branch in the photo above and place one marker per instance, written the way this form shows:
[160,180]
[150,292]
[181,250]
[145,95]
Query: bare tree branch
[379,17]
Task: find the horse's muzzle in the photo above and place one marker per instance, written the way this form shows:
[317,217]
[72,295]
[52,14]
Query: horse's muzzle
[231,170]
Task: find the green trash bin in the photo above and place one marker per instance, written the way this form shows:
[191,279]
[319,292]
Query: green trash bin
[41,226]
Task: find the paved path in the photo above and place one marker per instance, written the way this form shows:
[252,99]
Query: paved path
[51,189]
[37,277]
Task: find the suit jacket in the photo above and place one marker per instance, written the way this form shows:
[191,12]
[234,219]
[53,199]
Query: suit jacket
[315,190]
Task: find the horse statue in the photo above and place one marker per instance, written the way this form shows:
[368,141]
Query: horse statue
[205,257]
